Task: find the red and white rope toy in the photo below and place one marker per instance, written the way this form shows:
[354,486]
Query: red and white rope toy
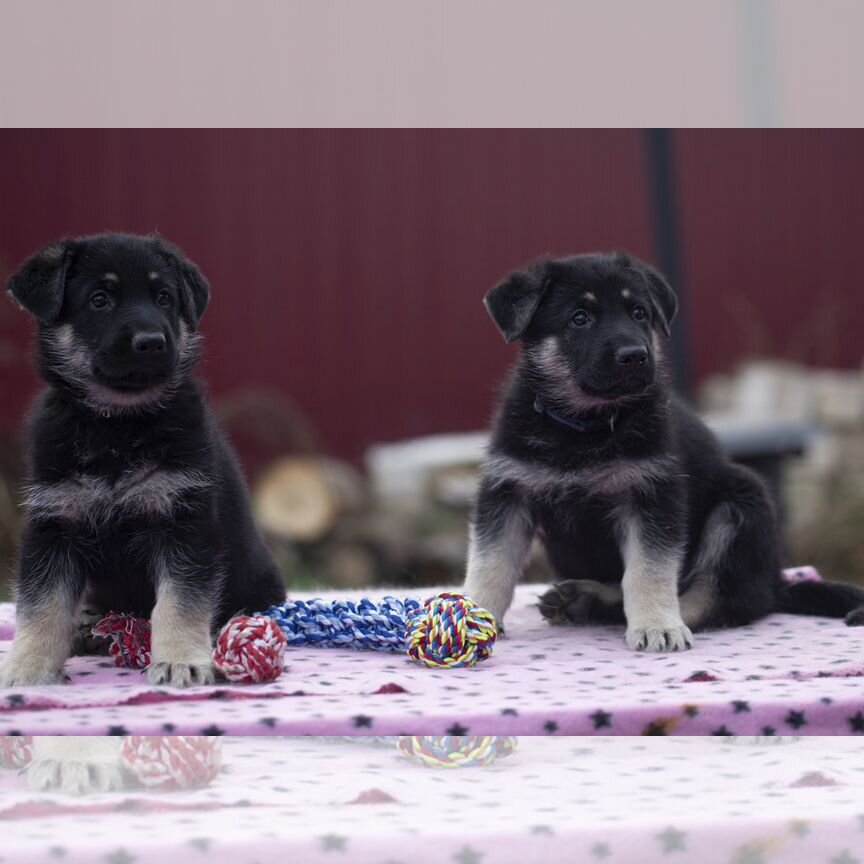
[172,762]
[157,762]
[250,649]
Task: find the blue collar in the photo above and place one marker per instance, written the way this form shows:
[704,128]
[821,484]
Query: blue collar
[572,422]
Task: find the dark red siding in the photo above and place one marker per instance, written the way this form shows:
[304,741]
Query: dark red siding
[348,266]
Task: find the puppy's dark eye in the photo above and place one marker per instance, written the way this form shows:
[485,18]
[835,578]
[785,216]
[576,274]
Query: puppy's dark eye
[580,318]
[100,300]
[640,313]
[163,298]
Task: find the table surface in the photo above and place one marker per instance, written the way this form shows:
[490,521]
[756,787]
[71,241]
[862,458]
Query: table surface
[606,800]
[783,675]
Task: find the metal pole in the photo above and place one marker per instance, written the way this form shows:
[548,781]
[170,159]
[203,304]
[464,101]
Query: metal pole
[663,206]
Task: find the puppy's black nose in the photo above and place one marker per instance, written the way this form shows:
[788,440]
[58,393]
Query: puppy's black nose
[631,355]
[148,342]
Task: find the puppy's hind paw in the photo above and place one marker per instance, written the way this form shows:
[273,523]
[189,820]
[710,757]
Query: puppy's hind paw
[73,777]
[181,674]
[675,637]
[579,601]
[856,617]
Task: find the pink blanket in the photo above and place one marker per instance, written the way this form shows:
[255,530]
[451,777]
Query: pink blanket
[784,675]
[606,800]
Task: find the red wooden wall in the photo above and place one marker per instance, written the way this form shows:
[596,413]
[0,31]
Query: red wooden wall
[348,266]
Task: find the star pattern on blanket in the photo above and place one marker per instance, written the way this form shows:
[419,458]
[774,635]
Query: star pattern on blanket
[540,681]
[333,843]
[672,840]
[845,857]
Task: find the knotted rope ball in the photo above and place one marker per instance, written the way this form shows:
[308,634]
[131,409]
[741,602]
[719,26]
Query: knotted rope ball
[250,650]
[15,750]
[172,762]
[457,751]
[450,631]
[130,639]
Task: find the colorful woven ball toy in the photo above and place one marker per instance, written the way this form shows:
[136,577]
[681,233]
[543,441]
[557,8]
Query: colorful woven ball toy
[457,751]
[448,631]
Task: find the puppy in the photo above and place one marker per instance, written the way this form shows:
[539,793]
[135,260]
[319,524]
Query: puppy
[645,520]
[135,500]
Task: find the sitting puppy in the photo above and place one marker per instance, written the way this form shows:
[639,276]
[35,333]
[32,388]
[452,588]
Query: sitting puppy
[642,515]
[136,502]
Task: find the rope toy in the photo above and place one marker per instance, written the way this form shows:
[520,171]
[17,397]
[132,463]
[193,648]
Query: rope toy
[250,650]
[162,762]
[130,639]
[15,750]
[457,751]
[448,631]
[175,762]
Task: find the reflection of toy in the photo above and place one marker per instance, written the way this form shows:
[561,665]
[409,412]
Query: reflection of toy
[15,750]
[447,631]
[172,762]
[445,751]
[457,751]
[154,761]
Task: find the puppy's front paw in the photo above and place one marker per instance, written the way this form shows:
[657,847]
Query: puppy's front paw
[181,674]
[29,672]
[74,777]
[658,638]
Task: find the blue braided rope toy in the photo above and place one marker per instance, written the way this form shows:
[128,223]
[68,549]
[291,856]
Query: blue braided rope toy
[345,623]
[447,631]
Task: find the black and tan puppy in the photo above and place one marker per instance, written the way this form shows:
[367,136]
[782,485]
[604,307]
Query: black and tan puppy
[643,517]
[135,501]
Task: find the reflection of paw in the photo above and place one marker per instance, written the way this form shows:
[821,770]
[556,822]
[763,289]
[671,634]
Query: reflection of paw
[180,674]
[578,601]
[856,617]
[665,637]
[29,672]
[74,777]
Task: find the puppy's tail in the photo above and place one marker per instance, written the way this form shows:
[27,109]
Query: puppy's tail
[827,599]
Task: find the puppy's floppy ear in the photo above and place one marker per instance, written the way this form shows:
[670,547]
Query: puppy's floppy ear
[663,298]
[195,289]
[513,302]
[39,284]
